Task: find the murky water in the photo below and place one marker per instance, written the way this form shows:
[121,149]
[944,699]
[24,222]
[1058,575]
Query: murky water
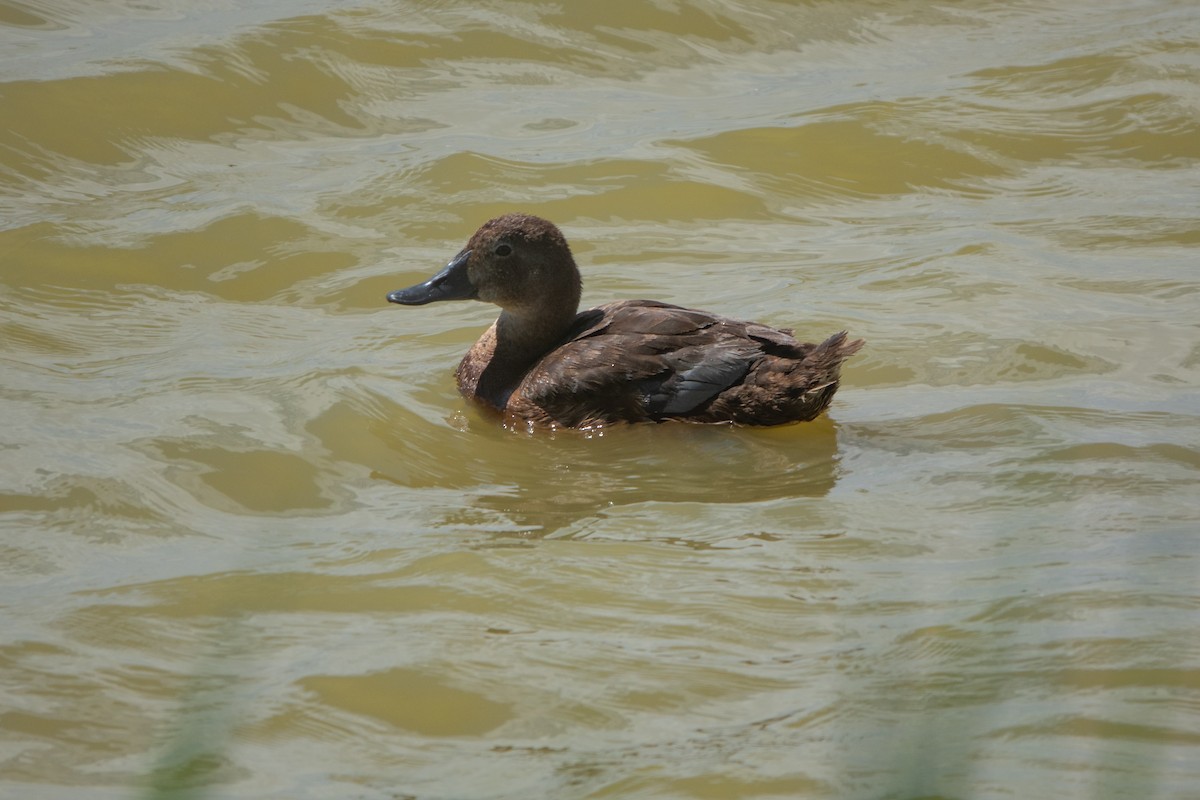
[253,544]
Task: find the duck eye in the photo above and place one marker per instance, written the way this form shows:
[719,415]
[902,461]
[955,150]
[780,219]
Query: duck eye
[503,250]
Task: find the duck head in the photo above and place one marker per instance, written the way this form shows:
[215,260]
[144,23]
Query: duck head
[519,262]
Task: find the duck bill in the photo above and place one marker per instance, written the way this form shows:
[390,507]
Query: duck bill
[452,283]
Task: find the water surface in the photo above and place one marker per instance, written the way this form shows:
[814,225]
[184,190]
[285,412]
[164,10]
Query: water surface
[253,544]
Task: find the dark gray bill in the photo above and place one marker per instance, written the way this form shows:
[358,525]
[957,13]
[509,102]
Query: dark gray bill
[452,283]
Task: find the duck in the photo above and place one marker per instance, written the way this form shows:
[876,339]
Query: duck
[547,364]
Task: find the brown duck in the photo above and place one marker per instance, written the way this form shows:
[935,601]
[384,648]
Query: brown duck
[628,361]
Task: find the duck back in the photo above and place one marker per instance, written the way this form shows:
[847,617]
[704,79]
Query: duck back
[645,361]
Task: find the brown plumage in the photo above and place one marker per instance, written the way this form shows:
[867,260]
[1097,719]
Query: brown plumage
[628,361]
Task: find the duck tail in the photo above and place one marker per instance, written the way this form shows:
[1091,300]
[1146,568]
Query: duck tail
[827,357]
[821,371]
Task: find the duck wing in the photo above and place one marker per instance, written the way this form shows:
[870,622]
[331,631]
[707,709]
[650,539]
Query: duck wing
[642,360]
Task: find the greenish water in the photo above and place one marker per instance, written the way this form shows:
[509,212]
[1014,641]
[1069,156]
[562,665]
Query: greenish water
[253,544]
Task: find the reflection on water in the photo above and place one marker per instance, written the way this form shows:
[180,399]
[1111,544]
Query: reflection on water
[253,543]
[545,481]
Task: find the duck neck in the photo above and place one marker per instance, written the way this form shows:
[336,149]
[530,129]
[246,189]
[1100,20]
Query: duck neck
[521,341]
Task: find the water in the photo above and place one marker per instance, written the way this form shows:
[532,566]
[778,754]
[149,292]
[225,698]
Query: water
[253,543]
